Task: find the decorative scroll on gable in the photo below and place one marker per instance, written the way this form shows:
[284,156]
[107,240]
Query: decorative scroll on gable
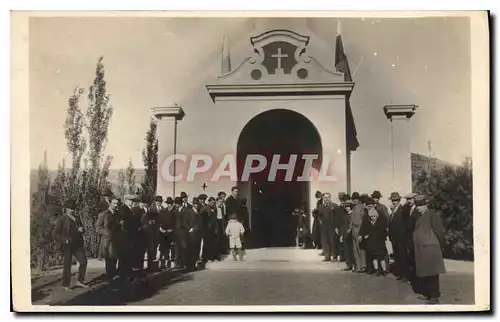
[280,61]
[280,56]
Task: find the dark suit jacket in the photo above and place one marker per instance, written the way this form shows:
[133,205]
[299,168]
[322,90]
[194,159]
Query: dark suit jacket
[208,218]
[398,223]
[382,210]
[131,220]
[232,206]
[66,232]
[167,219]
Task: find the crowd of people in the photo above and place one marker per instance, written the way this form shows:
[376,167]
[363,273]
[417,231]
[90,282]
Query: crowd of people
[189,234]
[356,231]
[184,234]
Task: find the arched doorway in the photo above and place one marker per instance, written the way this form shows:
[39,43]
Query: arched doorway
[271,202]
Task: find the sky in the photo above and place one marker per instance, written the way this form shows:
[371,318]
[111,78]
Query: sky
[161,61]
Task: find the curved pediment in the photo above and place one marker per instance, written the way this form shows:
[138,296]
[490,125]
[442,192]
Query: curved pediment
[279,56]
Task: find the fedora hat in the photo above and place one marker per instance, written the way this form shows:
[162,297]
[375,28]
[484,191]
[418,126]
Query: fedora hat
[355,195]
[170,200]
[421,200]
[369,201]
[376,194]
[395,196]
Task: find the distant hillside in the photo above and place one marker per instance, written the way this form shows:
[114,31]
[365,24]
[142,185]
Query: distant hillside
[112,177]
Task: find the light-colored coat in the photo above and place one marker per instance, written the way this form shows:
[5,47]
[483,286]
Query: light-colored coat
[428,238]
[356,219]
[107,226]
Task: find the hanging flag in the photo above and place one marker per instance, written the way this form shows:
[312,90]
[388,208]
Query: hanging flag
[226,59]
[342,65]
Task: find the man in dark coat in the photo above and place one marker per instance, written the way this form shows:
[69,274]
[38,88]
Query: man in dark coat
[133,238]
[316,229]
[196,235]
[208,217]
[428,238]
[381,209]
[232,202]
[181,233]
[187,226]
[109,227]
[398,236]
[167,220]
[411,213]
[140,241]
[151,230]
[68,234]
[222,241]
[329,219]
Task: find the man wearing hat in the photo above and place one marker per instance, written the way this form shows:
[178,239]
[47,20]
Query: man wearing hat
[208,231]
[399,237]
[185,203]
[329,214]
[187,226]
[316,229]
[411,214]
[132,241]
[357,217]
[345,234]
[103,206]
[150,227]
[167,221]
[68,234]
[382,209]
[429,241]
[109,227]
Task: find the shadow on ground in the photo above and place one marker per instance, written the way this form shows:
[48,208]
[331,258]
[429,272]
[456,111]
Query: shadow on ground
[42,286]
[121,293]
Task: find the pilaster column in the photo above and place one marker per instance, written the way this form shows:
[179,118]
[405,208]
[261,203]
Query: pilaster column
[167,117]
[399,115]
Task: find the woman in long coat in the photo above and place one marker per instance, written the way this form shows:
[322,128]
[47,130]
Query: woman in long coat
[374,234]
[428,240]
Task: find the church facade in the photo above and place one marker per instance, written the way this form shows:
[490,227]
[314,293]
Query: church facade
[282,104]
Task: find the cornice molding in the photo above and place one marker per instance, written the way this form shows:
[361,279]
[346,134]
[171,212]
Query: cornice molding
[399,111]
[165,112]
[296,89]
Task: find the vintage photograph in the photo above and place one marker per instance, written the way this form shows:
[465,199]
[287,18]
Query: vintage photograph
[234,161]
